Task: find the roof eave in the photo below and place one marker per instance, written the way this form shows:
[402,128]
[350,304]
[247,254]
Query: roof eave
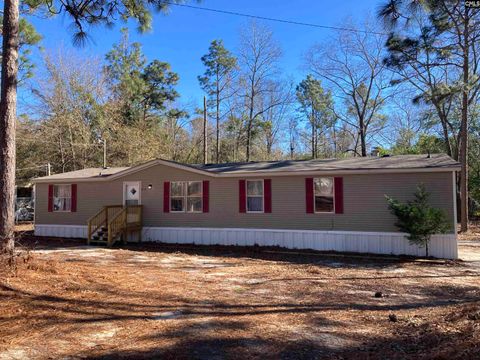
[339,172]
[254,173]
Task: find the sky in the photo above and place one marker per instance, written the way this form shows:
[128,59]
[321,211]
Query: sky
[183,36]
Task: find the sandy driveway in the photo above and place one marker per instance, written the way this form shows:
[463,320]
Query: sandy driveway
[233,303]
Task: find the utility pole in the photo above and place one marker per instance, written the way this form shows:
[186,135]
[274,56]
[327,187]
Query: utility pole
[104,153]
[205,148]
[49,169]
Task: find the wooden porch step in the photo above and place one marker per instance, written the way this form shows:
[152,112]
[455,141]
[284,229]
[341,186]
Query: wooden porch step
[121,223]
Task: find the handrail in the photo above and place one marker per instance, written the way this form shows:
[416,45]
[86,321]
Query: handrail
[116,225]
[95,222]
[101,218]
[129,218]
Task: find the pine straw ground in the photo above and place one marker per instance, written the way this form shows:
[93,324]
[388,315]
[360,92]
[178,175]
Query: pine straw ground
[167,302]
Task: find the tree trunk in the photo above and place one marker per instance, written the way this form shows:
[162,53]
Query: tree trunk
[205,126]
[218,125]
[8,109]
[313,133]
[334,142]
[249,127]
[446,137]
[464,132]
[363,144]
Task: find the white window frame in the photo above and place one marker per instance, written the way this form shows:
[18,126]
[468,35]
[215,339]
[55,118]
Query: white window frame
[263,196]
[139,185]
[185,197]
[333,195]
[53,199]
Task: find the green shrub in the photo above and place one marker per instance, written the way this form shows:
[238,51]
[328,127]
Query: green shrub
[418,218]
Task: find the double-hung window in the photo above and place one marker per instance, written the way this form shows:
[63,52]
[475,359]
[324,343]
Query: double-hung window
[186,196]
[62,198]
[194,196]
[323,193]
[255,196]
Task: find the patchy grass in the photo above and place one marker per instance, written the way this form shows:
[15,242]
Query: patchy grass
[199,302]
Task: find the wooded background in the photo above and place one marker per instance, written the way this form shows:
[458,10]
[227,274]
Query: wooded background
[379,87]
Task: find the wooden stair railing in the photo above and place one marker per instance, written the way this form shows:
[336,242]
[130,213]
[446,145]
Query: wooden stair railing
[117,226]
[101,219]
[126,221]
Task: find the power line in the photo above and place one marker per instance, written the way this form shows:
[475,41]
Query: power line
[290,22]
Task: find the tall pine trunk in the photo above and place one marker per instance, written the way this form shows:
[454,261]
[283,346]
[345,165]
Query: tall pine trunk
[8,107]
[250,125]
[313,134]
[217,144]
[464,130]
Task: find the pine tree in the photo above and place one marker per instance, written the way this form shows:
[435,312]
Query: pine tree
[217,81]
[451,31]
[83,14]
[141,90]
[28,39]
[418,218]
[316,105]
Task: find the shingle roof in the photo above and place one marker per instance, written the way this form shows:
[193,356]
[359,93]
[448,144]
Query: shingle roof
[400,162]
[90,173]
[354,163]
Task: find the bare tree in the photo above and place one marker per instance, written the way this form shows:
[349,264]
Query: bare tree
[259,56]
[69,100]
[273,120]
[406,122]
[352,66]
[83,14]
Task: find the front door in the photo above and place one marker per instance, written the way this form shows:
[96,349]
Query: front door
[131,193]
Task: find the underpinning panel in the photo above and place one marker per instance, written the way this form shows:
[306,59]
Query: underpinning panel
[441,246]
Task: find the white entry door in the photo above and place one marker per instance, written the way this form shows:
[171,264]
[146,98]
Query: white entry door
[131,193]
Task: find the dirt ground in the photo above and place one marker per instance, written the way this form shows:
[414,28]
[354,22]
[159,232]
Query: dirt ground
[197,302]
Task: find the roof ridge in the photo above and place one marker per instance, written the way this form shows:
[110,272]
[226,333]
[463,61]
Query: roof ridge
[440,162]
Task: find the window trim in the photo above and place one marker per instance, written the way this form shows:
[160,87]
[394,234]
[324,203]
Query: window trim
[53,199]
[333,196]
[172,197]
[246,196]
[185,197]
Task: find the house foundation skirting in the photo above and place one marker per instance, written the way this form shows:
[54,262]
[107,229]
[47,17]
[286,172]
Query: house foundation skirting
[441,246]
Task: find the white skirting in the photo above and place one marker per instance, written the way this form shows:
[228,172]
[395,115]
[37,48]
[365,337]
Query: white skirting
[64,231]
[441,246]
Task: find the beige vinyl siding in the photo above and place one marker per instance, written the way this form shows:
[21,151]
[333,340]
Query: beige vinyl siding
[365,207]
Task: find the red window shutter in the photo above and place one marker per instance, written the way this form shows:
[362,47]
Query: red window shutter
[267,188]
[309,195]
[242,196]
[73,206]
[338,185]
[50,198]
[206,194]
[166,196]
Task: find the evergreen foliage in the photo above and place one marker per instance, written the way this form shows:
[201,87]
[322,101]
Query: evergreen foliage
[418,218]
